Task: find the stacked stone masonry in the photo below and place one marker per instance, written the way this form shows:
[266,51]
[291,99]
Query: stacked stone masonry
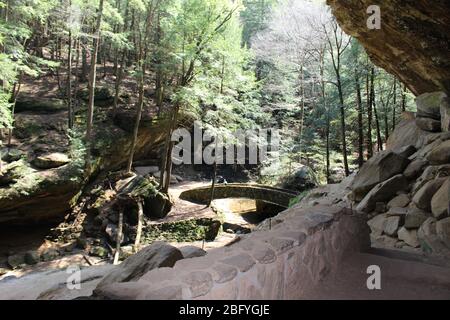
[296,253]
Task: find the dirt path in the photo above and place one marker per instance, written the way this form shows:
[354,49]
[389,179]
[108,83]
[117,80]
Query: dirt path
[400,280]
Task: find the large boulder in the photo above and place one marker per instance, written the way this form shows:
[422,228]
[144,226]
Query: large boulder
[422,199]
[9,174]
[392,225]
[12,155]
[379,168]
[303,179]
[382,192]
[125,120]
[415,218]
[144,171]
[443,231]
[445,114]
[440,154]
[157,255]
[428,124]
[37,105]
[158,205]
[103,96]
[406,133]
[440,203]
[429,105]
[428,238]
[16,260]
[429,174]
[415,168]
[378,224]
[409,237]
[139,188]
[192,252]
[399,201]
[52,160]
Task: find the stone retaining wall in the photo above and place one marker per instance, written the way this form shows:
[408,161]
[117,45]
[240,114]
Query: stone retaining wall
[301,248]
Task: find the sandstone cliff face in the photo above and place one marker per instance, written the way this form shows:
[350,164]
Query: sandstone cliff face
[34,193]
[413,42]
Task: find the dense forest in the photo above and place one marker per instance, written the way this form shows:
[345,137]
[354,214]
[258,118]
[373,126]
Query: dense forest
[232,64]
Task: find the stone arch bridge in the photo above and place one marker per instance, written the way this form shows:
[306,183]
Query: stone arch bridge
[272,195]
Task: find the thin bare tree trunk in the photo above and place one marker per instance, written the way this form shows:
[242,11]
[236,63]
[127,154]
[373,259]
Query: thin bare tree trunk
[222,74]
[404,99]
[119,237]
[394,109]
[360,121]
[137,242]
[213,185]
[302,111]
[137,121]
[369,86]
[169,151]
[69,83]
[15,94]
[92,78]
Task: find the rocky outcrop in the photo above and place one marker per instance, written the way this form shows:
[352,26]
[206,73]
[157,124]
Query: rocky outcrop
[440,203]
[157,255]
[52,160]
[381,167]
[412,43]
[411,208]
[406,133]
[43,181]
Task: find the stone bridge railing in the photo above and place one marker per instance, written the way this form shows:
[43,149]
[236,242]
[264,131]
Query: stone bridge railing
[277,196]
[301,248]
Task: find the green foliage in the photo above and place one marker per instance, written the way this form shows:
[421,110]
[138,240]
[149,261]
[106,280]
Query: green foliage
[298,199]
[180,231]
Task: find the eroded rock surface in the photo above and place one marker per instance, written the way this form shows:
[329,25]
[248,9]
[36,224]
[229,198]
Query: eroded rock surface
[413,42]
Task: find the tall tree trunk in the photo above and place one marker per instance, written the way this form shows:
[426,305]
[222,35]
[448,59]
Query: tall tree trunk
[119,235]
[84,64]
[213,184]
[58,58]
[15,94]
[302,111]
[92,78]
[404,98]
[77,79]
[394,108]
[327,110]
[142,62]
[168,157]
[360,121]
[69,83]
[377,123]
[369,86]
[137,242]
[118,82]
[138,119]
[120,73]
[343,124]
[222,74]
[159,70]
